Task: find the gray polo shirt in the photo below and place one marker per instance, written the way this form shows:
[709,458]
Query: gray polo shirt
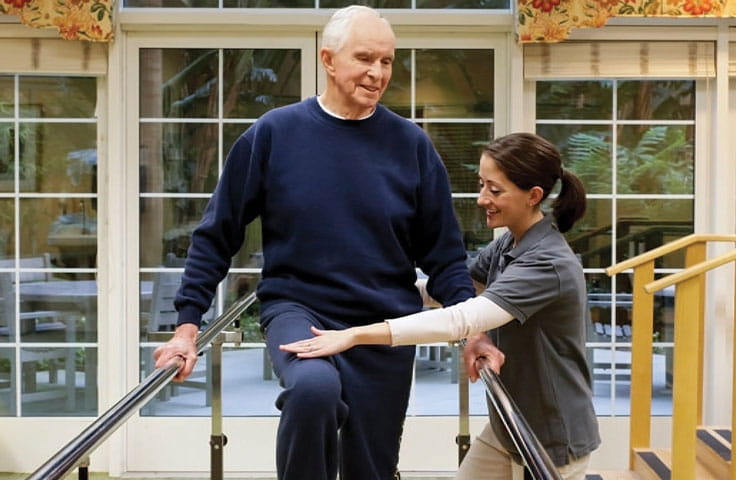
[541,283]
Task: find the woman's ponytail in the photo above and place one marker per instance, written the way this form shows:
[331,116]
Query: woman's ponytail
[569,206]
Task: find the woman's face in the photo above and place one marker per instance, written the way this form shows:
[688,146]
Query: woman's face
[506,204]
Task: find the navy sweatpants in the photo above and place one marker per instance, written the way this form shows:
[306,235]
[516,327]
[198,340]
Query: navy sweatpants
[342,413]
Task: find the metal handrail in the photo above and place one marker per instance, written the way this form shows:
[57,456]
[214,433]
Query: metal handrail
[532,452]
[91,437]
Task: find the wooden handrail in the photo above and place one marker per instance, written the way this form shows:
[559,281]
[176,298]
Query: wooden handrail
[666,249]
[690,272]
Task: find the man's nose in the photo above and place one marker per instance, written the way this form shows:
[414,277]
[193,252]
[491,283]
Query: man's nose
[375,69]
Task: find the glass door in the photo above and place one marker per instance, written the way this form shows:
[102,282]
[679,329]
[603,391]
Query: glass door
[192,99]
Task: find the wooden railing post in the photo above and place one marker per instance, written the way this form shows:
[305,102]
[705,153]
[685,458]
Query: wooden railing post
[641,361]
[685,394]
[695,254]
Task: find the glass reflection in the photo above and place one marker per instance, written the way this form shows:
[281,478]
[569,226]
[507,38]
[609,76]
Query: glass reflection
[178,83]
[397,96]
[645,224]
[590,237]
[655,159]
[488,4]
[250,254]
[172,3]
[472,219]
[58,157]
[7,102]
[8,407]
[460,146]
[611,368]
[369,3]
[56,97]
[586,151]
[231,132]
[600,299]
[8,324]
[256,81]
[584,100]
[166,226]
[239,285]
[7,157]
[65,228]
[7,228]
[56,308]
[178,157]
[454,83]
[656,100]
[58,382]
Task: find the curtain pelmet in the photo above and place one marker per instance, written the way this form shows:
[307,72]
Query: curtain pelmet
[551,20]
[74,19]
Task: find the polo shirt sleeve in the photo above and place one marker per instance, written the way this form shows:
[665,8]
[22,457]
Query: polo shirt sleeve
[526,286]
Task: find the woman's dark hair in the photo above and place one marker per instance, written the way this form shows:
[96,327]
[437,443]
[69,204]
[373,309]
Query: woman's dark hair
[529,160]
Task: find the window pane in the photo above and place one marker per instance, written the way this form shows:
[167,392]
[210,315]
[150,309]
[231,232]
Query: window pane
[66,228]
[472,219]
[256,81]
[7,157]
[166,227]
[398,94]
[269,4]
[231,132]
[454,83]
[574,100]
[46,97]
[7,382]
[656,100]
[172,3]
[58,157]
[585,150]
[59,309]
[590,237]
[459,145]
[59,382]
[656,159]
[178,83]
[250,254]
[178,157]
[7,102]
[643,225]
[489,4]
[369,3]
[7,228]
[8,327]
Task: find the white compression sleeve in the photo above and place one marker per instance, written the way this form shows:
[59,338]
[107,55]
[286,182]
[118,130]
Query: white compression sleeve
[446,324]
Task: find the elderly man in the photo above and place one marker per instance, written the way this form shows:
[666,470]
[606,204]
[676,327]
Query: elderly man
[352,198]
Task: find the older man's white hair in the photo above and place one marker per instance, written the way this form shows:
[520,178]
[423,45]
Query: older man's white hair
[337,29]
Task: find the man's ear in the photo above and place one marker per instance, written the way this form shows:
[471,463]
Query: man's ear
[325,55]
[535,195]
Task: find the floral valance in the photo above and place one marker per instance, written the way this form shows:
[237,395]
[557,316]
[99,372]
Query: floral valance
[552,20]
[74,19]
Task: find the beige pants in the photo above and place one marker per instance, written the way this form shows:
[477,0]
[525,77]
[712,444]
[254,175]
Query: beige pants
[488,460]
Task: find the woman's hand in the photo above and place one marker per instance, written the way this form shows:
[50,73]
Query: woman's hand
[481,347]
[324,343]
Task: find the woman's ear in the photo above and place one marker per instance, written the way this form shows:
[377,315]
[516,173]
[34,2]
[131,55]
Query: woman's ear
[535,196]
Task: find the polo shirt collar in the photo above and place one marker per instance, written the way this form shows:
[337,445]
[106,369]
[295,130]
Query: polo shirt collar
[533,236]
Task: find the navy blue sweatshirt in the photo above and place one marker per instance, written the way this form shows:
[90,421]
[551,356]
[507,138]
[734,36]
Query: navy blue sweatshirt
[348,209]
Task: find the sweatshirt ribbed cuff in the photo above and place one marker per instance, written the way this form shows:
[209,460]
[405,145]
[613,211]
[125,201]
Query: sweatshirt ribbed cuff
[189,314]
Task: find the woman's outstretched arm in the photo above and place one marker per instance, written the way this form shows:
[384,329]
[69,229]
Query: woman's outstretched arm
[462,320]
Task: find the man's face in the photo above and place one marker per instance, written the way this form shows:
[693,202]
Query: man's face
[361,69]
